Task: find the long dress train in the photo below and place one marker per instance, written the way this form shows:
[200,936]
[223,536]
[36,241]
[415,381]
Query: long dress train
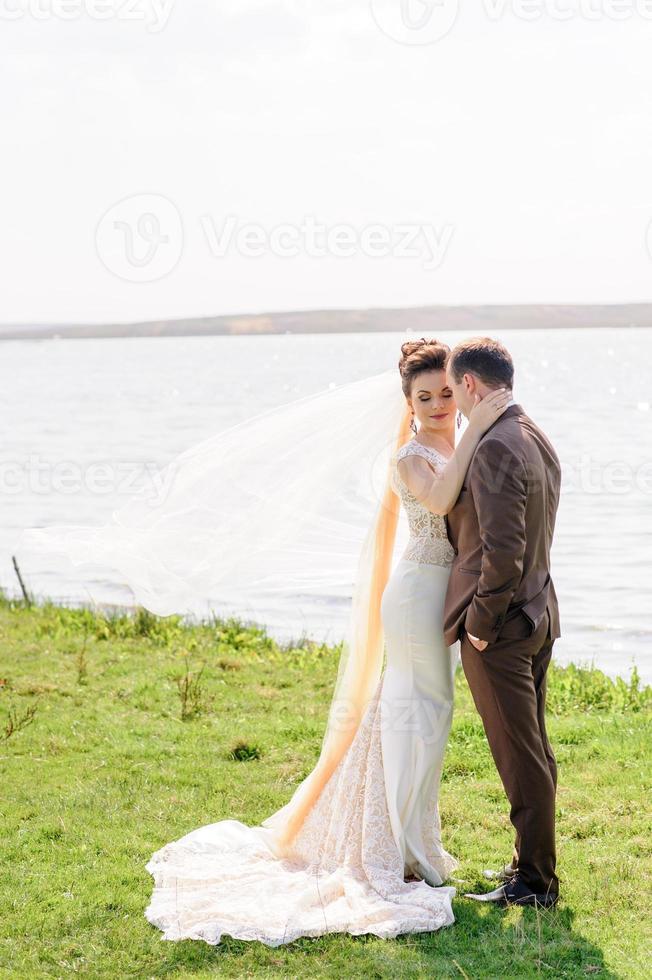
[376,820]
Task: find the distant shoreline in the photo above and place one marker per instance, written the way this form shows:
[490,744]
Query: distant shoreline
[422,320]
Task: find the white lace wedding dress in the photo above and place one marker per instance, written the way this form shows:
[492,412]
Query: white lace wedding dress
[376,821]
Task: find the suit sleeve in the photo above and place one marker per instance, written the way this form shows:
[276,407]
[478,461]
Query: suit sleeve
[497,482]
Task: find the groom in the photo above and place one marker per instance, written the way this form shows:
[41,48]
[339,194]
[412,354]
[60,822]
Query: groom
[501,605]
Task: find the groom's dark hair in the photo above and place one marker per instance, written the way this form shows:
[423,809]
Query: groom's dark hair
[488,359]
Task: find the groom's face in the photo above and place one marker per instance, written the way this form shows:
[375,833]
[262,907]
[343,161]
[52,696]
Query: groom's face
[463,391]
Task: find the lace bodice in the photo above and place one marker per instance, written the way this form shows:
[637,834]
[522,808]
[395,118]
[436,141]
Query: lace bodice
[428,542]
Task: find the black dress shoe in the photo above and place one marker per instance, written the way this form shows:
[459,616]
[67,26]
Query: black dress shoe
[516,892]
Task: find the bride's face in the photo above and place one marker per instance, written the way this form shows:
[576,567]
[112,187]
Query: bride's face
[432,401]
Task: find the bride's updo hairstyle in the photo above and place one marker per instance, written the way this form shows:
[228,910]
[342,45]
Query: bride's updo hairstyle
[421,355]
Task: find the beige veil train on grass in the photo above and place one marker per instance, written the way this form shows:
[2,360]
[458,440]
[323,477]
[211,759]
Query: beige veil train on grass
[294,501]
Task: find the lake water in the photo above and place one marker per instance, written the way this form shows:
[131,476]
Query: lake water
[69,405]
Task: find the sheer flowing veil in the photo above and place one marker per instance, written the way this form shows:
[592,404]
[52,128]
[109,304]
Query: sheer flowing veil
[294,501]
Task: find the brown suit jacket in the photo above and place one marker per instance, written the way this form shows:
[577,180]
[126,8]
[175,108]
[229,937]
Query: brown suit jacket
[501,528]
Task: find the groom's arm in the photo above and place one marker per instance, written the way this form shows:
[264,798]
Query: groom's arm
[497,482]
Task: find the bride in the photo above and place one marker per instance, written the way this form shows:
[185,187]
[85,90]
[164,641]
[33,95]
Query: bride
[358,848]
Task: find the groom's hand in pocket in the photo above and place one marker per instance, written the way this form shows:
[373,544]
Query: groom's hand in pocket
[480,645]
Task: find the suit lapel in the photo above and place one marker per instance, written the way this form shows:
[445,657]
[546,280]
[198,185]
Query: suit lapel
[459,508]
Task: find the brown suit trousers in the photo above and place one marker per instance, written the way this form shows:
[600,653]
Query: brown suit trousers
[500,590]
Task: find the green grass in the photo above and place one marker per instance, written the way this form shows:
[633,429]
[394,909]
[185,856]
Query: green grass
[142,729]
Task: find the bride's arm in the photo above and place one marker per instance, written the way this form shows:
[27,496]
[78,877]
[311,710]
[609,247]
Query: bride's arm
[439,491]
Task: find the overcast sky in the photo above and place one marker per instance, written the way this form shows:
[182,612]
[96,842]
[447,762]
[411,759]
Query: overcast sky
[162,158]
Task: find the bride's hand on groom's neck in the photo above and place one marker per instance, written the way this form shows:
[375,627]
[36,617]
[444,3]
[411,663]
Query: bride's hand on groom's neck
[485,411]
